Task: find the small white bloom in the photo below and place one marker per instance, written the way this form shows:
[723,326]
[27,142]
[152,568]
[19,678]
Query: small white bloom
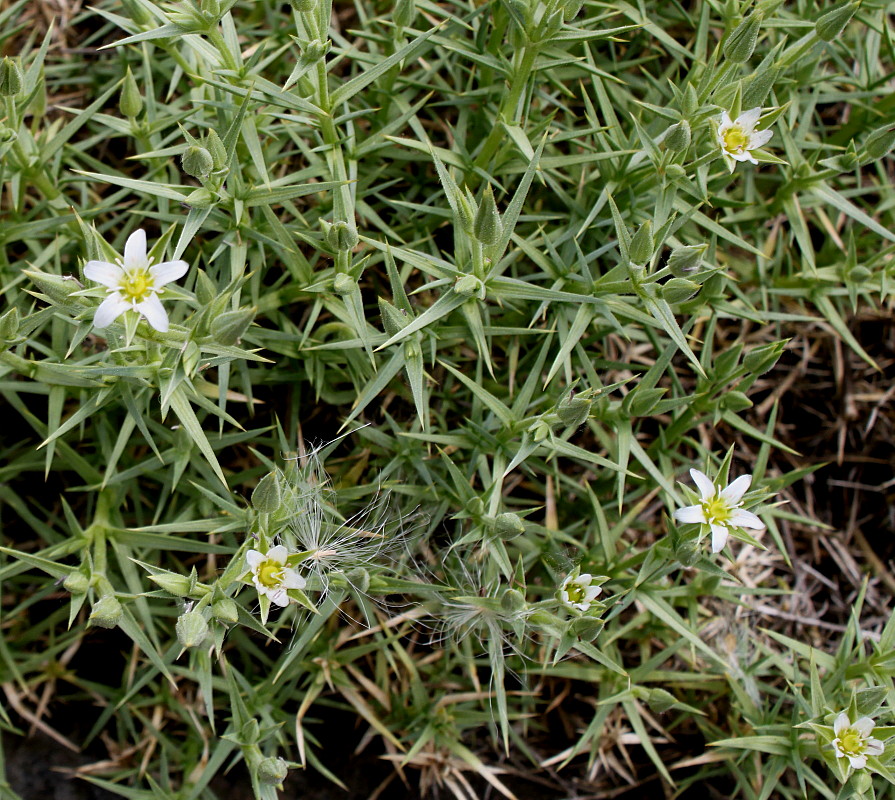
[854,742]
[720,510]
[134,283]
[738,137]
[272,576]
[579,591]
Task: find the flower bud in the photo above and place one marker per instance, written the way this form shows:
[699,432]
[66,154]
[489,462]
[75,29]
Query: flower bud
[487,227]
[344,284]
[466,212]
[641,248]
[508,525]
[641,402]
[675,171]
[9,325]
[741,43]
[106,612]
[393,319]
[225,610]
[197,161]
[760,359]
[863,783]
[130,103]
[833,22]
[10,77]
[303,6]
[512,601]
[857,274]
[7,135]
[313,51]
[404,13]
[475,507]
[469,286]
[586,627]
[574,411]
[677,290]
[199,198]
[216,149]
[342,236]
[228,328]
[879,143]
[206,291]
[677,137]
[191,629]
[272,771]
[172,583]
[76,583]
[686,260]
[540,431]
[250,732]
[735,401]
[359,578]
[267,495]
[660,700]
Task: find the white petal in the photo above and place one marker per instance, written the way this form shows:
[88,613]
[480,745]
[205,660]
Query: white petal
[839,753]
[759,139]
[103,272]
[564,596]
[292,580]
[155,313]
[279,597]
[703,483]
[874,747]
[726,121]
[167,271]
[135,249]
[864,726]
[582,606]
[109,310]
[719,538]
[591,593]
[693,514]
[744,156]
[858,762]
[745,519]
[278,554]
[254,559]
[842,723]
[734,493]
[749,119]
[584,580]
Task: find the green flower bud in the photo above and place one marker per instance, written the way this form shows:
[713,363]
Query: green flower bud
[686,260]
[880,143]
[313,51]
[741,43]
[487,227]
[412,350]
[56,287]
[272,771]
[344,284]
[211,9]
[136,12]
[574,411]
[641,248]
[250,732]
[197,161]
[762,358]
[359,578]
[303,6]
[844,162]
[642,402]
[11,79]
[508,525]
[677,137]
[540,431]
[735,401]
[9,325]
[857,274]
[404,13]
[469,286]
[206,291]
[225,610]
[106,612]
[7,135]
[675,171]
[130,102]
[393,319]
[677,290]
[660,700]
[178,585]
[76,583]
[512,601]
[863,783]
[466,211]
[199,198]
[191,629]
[833,22]
[228,328]
[586,627]
[267,496]
[475,507]
[341,236]
[216,149]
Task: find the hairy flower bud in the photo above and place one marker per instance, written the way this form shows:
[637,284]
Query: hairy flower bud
[641,248]
[677,137]
[267,495]
[487,227]
[741,43]
[880,143]
[686,260]
[304,6]
[228,328]
[508,525]
[469,286]
[197,161]
[130,102]
[313,51]
[225,610]
[9,325]
[404,13]
[677,290]
[76,583]
[393,319]
[106,612]
[833,22]
[178,585]
[513,601]
[574,411]
[11,79]
[191,629]
[342,236]
[216,149]
[272,771]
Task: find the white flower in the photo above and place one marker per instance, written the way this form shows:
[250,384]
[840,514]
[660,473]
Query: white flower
[579,591]
[738,137]
[854,742]
[134,283]
[271,575]
[720,510]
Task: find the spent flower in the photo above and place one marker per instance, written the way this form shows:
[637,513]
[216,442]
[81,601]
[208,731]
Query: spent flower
[134,283]
[738,138]
[272,575]
[720,509]
[853,741]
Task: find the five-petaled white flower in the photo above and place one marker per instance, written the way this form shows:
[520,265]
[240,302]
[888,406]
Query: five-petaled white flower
[134,283]
[720,510]
[854,742]
[272,576]
[738,137]
[579,591]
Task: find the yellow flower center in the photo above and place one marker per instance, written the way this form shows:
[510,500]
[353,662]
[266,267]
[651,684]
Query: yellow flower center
[851,742]
[575,591]
[270,574]
[137,285]
[716,510]
[735,139]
